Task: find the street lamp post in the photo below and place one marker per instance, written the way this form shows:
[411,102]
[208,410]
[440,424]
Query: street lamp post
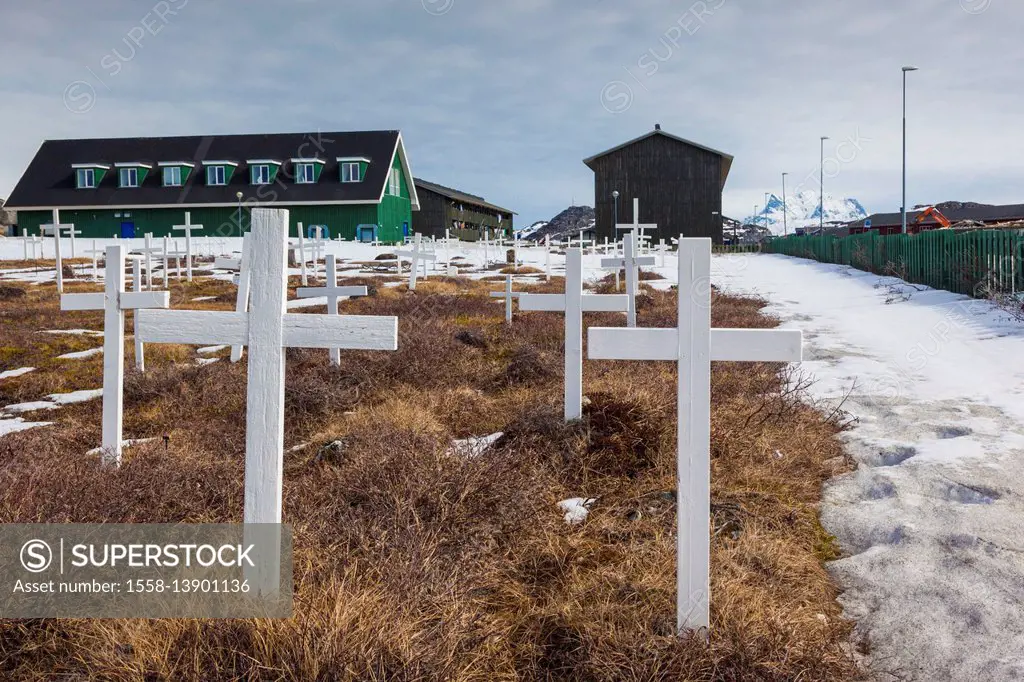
[785,225]
[903,208]
[241,230]
[615,196]
[766,210]
[821,187]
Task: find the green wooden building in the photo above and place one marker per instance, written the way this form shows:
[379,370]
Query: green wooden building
[356,185]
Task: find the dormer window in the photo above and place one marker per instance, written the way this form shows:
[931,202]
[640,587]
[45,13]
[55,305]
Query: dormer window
[263,171]
[131,174]
[175,173]
[307,171]
[353,168]
[219,172]
[89,175]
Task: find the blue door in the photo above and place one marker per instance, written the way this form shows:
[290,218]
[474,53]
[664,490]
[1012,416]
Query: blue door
[405,229]
[366,233]
[128,230]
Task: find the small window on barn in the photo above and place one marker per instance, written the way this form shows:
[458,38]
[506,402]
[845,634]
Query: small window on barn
[350,172]
[85,178]
[129,177]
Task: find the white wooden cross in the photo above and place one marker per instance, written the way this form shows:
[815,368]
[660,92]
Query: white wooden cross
[32,241]
[334,294]
[56,227]
[508,295]
[416,255]
[244,282]
[636,226]
[662,250]
[300,254]
[95,253]
[140,351]
[114,301]
[694,345]
[148,251]
[631,263]
[547,257]
[573,303]
[267,329]
[188,228]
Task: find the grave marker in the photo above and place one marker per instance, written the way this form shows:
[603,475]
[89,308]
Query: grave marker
[508,295]
[187,228]
[267,329]
[333,293]
[114,301]
[631,263]
[415,255]
[573,303]
[694,345]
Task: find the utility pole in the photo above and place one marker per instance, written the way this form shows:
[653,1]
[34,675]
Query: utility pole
[903,208]
[785,226]
[821,191]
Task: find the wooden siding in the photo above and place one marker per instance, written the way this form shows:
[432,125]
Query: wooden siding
[437,213]
[679,187]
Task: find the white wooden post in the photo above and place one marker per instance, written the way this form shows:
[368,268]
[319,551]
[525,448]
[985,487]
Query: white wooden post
[114,302]
[56,251]
[95,252]
[661,250]
[486,259]
[693,345]
[188,228]
[632,264]
[148,251]
[573,303]
[547,258]
[302,257]
[508,295]
[267,330]
[140,351]
[334,294]
[242,296]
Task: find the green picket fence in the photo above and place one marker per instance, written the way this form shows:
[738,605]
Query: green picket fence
[971,263]
[736,248]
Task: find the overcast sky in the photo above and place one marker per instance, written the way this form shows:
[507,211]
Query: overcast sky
[504,98]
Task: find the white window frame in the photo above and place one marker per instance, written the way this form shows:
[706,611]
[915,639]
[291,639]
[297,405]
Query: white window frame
[132,174]
[394,184]
[175,173]
[89,173]
[218,174]
[305,173]
[263,171]
[353,170]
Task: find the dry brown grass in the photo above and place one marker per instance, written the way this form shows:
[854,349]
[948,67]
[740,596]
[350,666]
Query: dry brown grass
[413,564]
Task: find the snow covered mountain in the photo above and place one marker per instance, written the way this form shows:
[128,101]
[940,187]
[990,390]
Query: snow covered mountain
[802,210]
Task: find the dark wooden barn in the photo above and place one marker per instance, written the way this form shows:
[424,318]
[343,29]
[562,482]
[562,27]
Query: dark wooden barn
[679,184]
[465,215]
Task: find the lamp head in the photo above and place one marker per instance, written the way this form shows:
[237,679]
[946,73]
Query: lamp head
[909,68]
[238,195]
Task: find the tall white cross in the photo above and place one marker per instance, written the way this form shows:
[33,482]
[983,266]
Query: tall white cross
[416,255]
[636,226]
[242,296]
[631,263]
[114,301]
[300,254]
[188,228]
[334,294]
[140,350]
[547,257]
[508,295]
[148,251]
[573,303]
[267,329]
[694,345]
[32,241]
[56,227]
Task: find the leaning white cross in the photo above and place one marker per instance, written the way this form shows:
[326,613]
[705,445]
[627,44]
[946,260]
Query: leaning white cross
[148,251]
[334,293]
[573,303]
[508,295]
[188,228]
[114,301]
[415,255]
[694,345]
[631,263]
[267,329]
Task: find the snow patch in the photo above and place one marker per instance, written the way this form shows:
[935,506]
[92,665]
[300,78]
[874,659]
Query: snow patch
[11,373]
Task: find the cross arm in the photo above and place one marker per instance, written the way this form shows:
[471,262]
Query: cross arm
[315,292]
[227,263]
[193,327]
[139,300]
[83,301]
[352,332]
[727,345]
[605,303]
[542,302]
[502,294]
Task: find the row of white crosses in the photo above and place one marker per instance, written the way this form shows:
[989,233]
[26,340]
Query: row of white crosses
[56,227]
[188,228]
[416,255]
[631,262]
[694,345]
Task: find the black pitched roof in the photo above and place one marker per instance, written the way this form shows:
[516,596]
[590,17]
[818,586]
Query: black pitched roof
[727,159]
[49,180]
[462,197]
[954,211]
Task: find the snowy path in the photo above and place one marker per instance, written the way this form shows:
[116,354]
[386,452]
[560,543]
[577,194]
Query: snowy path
[933,519]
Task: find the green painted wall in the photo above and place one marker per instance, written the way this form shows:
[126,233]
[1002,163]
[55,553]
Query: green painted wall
[395,210]
[224,222]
